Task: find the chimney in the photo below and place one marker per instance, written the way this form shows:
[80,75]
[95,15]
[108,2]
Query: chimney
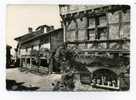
[30,30]
[50,28]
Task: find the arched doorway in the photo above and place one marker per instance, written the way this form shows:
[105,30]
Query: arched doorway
[105,78]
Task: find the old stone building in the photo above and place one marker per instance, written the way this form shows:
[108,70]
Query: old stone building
[102,35]
[35,47]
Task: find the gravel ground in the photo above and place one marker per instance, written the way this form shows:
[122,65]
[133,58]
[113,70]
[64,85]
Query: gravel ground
[32,80]
[42,82]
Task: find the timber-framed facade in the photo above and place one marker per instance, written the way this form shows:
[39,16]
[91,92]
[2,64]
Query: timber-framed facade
[102,35]
[34,48]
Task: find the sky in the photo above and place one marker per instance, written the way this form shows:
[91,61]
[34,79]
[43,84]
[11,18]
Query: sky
[20,17]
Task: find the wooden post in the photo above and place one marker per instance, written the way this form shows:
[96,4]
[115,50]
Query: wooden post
[26,58]
[120,26]
[120,20]
[87,32]
[50,66]
[64,31]
[96,29]
[31,57]
[76,30]
[108,44]
[50,41]
[20,57]
[39,62]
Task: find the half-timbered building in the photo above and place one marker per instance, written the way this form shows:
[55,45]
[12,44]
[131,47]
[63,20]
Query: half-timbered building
[102,34]
[35,47]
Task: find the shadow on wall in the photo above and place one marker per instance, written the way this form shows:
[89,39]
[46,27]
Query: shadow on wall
[12,85]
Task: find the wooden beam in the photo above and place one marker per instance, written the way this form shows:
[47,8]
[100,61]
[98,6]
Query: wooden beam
[106,50]
[96,30]
[76,30]
[97,41]
[87,31]
[107,30]
[95,12]
[120,26]
[65,31]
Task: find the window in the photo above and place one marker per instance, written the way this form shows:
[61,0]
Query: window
[97,28]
